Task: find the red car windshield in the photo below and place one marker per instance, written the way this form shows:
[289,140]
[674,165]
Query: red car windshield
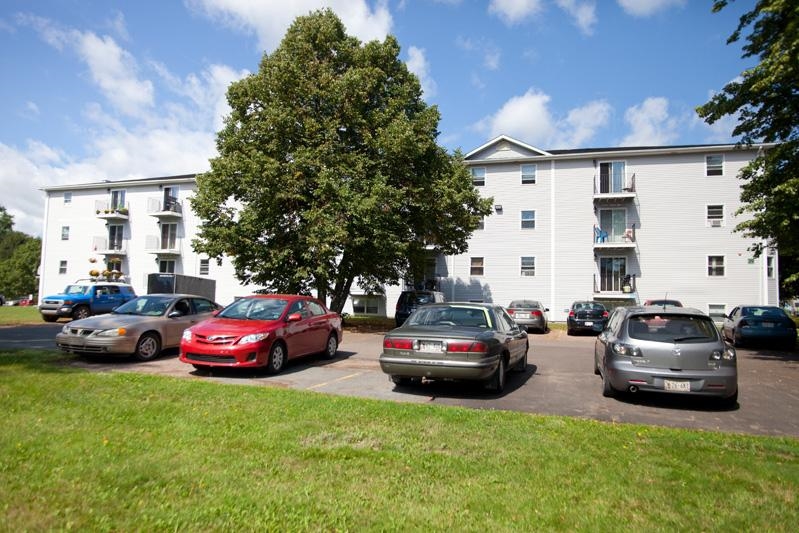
[255,309]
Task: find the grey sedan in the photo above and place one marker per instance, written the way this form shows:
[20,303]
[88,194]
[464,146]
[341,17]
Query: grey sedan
[462,341]
[530,314]
[141,327]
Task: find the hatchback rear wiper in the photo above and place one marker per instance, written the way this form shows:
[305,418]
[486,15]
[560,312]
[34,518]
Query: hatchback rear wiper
[690,338]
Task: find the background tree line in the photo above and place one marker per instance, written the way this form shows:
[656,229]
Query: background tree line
[19,259]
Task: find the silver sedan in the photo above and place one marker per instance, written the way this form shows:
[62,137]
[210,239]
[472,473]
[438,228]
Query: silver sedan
[141,327]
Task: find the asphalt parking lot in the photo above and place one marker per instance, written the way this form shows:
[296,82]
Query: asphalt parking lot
[559,381]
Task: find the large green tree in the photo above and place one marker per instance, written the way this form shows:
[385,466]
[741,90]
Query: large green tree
[19,259]
[329,171]
[765,101]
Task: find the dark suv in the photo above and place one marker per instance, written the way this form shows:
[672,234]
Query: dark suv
[410,300]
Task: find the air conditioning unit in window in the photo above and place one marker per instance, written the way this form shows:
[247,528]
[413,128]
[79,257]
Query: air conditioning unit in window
[715,223]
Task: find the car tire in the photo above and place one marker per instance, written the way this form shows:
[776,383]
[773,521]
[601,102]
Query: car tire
[497,381]
[202,369]
[736,340]
[730,402]
[521,366]
[569,331]
[331,347]
[277,358]
[607,389]
[402,381]
[80,312]
[148,347]
[596,368]
[48,318]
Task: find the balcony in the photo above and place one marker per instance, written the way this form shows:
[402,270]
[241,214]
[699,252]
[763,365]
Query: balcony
[104,246]
[615,286]
[610,240]
[606,190]
[164,208]
[107,211]
[154,244]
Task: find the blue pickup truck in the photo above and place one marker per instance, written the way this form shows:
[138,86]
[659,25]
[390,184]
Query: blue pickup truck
[82,299]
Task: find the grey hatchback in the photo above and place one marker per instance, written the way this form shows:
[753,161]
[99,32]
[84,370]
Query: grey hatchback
[673,349]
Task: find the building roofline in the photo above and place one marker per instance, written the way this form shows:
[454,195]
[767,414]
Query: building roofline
[162,180]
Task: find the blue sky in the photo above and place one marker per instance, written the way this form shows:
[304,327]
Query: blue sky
[104,89]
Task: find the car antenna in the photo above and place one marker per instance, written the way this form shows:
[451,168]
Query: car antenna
[664,300]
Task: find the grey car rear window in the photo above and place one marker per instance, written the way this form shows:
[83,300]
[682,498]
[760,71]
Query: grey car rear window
[671,328]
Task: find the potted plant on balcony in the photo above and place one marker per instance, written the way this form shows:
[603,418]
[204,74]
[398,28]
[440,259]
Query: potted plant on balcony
[122,210]
[94,273]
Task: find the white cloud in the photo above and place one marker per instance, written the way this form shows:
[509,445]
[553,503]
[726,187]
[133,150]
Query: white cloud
[529,119]
[514,11]
[651,124]
[584,14]
[646,8]
[417,63]
[269,20]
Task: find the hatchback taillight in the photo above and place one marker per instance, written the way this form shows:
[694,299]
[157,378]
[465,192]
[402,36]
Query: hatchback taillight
[510,312]
[537,313]
[398,344]
[571,313]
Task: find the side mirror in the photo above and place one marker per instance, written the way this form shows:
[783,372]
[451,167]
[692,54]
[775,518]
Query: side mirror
[174,314]
[294,317]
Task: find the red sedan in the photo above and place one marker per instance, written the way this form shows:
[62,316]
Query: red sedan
[263,330]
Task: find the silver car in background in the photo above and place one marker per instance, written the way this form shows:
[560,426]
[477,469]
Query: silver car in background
[141,327]
[675,350]
[530,314]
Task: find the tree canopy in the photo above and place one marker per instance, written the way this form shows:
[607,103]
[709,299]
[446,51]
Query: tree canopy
[765,101]
[19,259]
[329,171]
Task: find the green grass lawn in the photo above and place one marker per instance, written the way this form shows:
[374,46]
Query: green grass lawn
[120,452]
[14,315]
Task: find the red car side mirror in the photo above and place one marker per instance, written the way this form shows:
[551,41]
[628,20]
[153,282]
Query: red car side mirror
[294,317]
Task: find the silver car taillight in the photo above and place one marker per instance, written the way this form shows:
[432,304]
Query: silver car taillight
[728,354]
[627,350]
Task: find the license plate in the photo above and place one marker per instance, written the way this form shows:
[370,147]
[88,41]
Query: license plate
[768,324]
[430,347]
[522,315]
[588,323]
[677,386]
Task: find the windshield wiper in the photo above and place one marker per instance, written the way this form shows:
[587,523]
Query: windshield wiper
[690,338]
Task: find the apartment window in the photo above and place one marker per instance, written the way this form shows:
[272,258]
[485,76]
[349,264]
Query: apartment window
[770,266]
[166,266]
[528,266]
[715,216]
[528,219]
[714,165]
[169,235]
[528,174]
[117,199]
[115,234]
[366,305]
[62,267]
[612,177]
[715,265]
[205,267]
[717,312]
[67,197]
[64,233]
[478,176]
[477,267]
[482,223]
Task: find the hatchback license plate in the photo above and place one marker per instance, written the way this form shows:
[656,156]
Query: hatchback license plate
[677,386]
[522,315]
[430,347]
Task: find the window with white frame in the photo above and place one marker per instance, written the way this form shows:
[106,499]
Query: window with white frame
[770,266]
[64,233]
[714,165]
[715,215]
[67,197]
[205,267]
[612,177]
[528,174]
[528,266]
[717,312]
[366,305]
[117,199]
[478,176]
[477,267]
[62,267]
[166,266]
[528,219]
[715,265]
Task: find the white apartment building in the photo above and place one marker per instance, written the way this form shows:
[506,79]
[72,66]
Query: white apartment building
[619,225]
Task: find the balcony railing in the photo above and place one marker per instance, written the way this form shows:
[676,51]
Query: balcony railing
[155,244]
[618,286]
[104,246]
[164,208]
[108,211]
[611,239]
[605,190]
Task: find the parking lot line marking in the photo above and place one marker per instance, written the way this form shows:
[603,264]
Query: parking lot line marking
[342,378]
